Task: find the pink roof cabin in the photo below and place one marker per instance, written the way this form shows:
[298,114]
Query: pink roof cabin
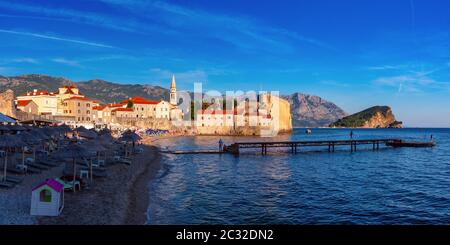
[52,183]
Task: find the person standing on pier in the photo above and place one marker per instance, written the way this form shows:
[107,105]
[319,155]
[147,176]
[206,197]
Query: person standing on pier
[220,145]
[351,134]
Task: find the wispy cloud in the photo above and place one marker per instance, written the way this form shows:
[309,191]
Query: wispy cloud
[25,60]
[68,62]
[151,17]
[334,83]
[412,83]
[239,31]
[385,67]
[37,35]
[188,77]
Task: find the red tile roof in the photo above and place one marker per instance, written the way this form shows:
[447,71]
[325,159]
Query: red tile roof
[78,98]
[21,103]
[142,101]
[117,105]
[123,109]
[99,108]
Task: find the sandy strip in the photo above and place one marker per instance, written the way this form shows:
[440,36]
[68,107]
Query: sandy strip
[120,198]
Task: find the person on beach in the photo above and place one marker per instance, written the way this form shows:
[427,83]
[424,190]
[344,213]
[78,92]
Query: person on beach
[351,134]
[220,145]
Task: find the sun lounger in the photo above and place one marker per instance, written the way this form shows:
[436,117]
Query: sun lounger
[38,166]
[14,180]
[125,160]
[68,186]
[6,184]
[33,170]
[14,170]
[47,163]
[22,167]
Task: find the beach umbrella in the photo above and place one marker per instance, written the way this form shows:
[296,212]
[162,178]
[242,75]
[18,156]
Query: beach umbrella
[129,136]
[16,128]
[87,134]
[8,141]
[29,139]
[50,132]
[74,150]
[4,127]
[93,146]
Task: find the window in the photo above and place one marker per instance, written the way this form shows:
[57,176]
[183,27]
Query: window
[70,111]
[45,196]
[88,119]
[79,111]
[79,104]
[88,105]
[88,112]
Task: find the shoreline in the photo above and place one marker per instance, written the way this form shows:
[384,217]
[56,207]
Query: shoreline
[121,198]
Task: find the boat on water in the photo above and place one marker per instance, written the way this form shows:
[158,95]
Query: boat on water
[401,143]
[308,131]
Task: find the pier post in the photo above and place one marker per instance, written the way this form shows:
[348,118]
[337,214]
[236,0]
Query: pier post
[265,149]
[351,146]
[262,149]
[333,146]
[329,147]
[295,148]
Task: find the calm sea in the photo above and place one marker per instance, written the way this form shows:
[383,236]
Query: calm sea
[389,186]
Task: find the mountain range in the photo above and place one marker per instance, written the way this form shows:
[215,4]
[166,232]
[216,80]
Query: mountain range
[307,110]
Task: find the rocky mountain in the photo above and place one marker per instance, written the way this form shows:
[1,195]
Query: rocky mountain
[313,111]
[106,92]
[374,117]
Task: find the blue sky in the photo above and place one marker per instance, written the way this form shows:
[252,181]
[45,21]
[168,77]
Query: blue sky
[356,53]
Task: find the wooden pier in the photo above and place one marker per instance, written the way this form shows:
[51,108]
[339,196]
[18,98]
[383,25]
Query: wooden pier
[295,146]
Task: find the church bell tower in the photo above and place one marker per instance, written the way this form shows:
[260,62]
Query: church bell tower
[173,92]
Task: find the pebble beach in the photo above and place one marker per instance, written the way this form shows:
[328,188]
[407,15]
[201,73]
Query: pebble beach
[120,198]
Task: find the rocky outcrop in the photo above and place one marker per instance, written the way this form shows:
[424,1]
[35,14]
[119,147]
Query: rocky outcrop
[374,117]
[7,106]
[313,111]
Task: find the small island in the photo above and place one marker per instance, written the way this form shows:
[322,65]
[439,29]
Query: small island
[373,117]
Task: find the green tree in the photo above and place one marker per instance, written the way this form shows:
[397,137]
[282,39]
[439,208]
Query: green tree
[130,104]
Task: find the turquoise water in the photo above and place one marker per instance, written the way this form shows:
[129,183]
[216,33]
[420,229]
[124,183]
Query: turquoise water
[389,186]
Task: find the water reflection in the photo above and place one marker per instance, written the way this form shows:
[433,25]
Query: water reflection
[389,186]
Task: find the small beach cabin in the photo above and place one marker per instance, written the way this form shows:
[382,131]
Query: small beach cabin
[47,198]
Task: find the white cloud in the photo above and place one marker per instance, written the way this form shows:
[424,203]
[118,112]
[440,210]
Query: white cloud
[239,31]
[68,62]
[187,77]
[386,67]
[415,83]
[43,36]
[25,60]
